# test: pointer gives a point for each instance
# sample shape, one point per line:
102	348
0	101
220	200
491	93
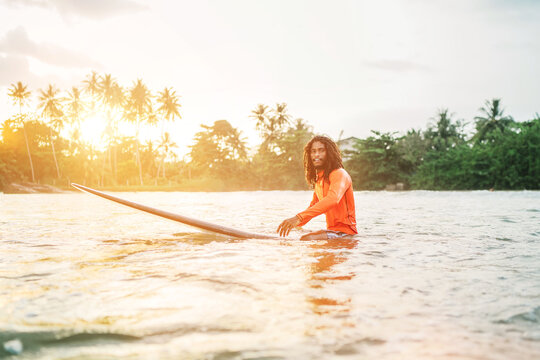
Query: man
333	195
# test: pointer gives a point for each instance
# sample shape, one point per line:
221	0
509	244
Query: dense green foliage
509	161
504	156
34	146
376	162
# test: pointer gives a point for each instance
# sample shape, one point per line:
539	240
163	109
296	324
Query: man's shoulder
339	173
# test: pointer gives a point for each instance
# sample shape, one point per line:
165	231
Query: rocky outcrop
30	188
395	187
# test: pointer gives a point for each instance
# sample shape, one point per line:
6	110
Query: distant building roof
347	144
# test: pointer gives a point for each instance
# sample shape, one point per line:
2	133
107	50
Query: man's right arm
313	202
340	181
285	227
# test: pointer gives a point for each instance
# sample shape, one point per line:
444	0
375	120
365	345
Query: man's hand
285	227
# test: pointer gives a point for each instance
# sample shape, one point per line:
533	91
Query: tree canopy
43	144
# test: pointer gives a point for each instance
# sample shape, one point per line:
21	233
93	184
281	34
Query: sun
92	130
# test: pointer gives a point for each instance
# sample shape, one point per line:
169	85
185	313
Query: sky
345	67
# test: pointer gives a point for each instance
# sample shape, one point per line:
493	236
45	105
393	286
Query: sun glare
92	130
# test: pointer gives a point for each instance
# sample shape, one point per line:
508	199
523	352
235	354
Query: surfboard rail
176	217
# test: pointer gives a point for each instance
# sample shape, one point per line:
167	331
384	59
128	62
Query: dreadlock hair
333	159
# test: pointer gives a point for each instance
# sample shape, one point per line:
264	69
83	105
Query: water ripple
432	275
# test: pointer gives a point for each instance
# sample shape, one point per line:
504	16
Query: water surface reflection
431	276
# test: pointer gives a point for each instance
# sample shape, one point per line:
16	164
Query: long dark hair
333	159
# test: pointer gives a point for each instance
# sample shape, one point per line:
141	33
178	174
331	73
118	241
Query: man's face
318	154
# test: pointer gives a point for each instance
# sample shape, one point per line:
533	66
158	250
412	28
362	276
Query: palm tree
91	87
117	100
112	97
165	145
20	95
260	115
138	110
493	120
446	133
271	123
281	117
169	108
50	104
111	94
168	105
75	107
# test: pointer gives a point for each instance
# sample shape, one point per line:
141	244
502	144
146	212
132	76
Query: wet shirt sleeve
339	183
313	202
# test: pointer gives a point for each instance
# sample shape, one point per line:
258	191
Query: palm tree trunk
163	162
158	169
28	151
139	163
139	155
54	153
109	152
110	137
115	162
103	168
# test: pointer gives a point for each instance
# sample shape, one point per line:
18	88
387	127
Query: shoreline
30	188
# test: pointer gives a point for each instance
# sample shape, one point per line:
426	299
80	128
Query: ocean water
431	275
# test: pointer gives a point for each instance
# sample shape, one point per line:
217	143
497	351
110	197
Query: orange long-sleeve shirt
335	199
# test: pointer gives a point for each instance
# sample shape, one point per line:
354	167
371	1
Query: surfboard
176	217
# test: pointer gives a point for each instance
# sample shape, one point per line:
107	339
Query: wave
14	343
530	317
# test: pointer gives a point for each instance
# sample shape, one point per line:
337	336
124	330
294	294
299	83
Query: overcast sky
340	65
